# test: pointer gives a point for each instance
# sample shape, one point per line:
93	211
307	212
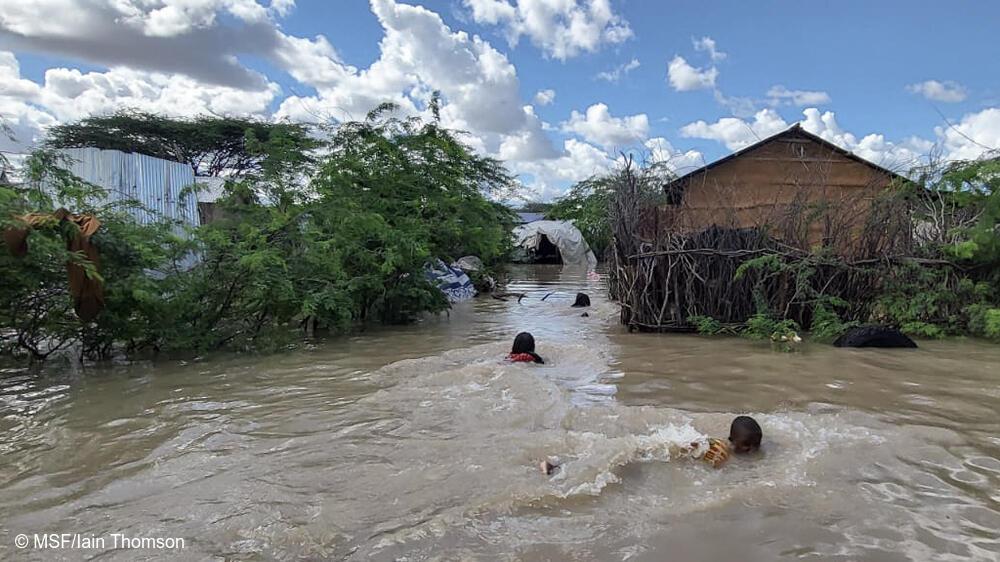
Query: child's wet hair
745	434
582	299
523	343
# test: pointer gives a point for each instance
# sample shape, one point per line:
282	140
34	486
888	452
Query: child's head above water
745	434
523	343
524	349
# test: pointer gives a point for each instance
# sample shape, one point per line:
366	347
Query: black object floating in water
874	336
582	300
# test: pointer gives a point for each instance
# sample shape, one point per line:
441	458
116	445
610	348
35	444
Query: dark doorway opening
547	252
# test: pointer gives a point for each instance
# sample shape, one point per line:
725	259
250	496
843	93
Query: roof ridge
795	128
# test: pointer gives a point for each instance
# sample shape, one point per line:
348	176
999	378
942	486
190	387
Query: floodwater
420	443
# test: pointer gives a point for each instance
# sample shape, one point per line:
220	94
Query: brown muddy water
420	443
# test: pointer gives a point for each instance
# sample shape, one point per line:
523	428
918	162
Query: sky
558	89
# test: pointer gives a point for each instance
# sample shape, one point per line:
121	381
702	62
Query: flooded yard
421	443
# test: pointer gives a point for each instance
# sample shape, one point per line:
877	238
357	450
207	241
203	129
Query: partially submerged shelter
553	242
804	189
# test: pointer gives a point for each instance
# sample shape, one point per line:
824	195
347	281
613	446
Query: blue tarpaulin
453	282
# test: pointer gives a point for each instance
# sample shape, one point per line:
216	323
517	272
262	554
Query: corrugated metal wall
155	183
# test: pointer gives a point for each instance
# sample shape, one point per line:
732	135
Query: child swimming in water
744	438
523	350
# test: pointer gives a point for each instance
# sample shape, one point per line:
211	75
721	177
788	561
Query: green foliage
922	330
322	244
931	302
984	321
967	189
389	196
826	324
587	204
706	325
211	145
535	207
765	264
35	305
762	326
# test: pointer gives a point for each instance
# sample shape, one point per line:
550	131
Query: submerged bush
826	324
762	326
706	325
388	196
319	242
36	307
984	321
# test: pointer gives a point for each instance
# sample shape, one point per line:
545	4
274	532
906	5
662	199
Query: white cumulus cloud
68	94
707	44
169	36
545	97
660	151
562	29
947	91
737	133
578	161
780	95
598	126
973	135
684	78
734	132
419	54
11	83
618	72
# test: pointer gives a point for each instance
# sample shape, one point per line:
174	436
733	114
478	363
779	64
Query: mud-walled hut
804	189
806	210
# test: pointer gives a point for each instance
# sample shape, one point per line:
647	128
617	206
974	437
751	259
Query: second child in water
744	438
523	350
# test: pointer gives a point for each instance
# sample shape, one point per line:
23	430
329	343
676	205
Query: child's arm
717	453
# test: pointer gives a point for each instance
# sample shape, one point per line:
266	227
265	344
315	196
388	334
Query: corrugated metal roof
530	217
157	184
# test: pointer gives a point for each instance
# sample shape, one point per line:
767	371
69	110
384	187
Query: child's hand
717	453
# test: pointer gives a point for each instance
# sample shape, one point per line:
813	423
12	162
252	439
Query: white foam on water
502	419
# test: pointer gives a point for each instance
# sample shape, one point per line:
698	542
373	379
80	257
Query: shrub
706	325
763	326
827	325
984	321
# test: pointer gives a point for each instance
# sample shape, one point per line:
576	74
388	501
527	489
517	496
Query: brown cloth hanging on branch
87	292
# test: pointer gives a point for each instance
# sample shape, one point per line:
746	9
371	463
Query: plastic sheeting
453	282
573	248
468	263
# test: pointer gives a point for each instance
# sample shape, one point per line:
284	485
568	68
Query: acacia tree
389	195
329	246
212	145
